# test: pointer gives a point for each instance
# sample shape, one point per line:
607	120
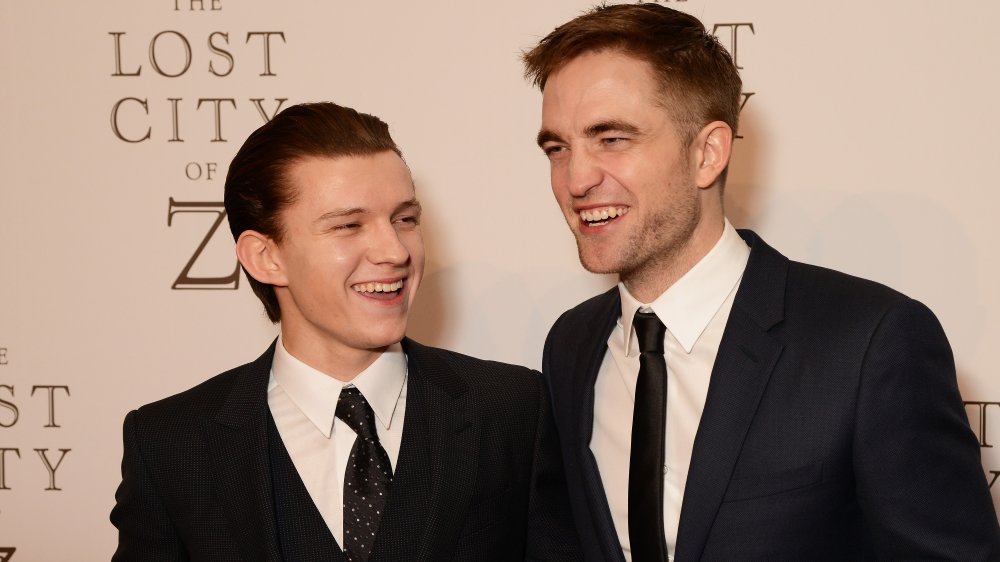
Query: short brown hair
257	188
695	72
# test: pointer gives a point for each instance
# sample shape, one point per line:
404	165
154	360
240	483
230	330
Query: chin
386	337
595	263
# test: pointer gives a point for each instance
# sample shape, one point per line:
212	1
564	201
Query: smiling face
626	183
350	259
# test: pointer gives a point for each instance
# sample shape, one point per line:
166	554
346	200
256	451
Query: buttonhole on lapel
751	355
463	417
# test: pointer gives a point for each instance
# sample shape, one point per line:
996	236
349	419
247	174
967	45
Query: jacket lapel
588	364
747	355
437	465
237	443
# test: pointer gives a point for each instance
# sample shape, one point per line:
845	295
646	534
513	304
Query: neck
330	358
658	274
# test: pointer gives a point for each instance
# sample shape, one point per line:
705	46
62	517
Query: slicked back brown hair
698	78
257	184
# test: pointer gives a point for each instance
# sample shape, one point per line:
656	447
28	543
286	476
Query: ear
711	150
260	256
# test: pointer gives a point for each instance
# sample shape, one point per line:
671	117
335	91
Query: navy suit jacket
478	475
833	427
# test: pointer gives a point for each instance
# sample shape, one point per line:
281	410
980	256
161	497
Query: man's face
619	169
352	254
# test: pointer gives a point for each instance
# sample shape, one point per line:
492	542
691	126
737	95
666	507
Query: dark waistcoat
302	532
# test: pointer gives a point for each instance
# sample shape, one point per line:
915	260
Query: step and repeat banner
867	145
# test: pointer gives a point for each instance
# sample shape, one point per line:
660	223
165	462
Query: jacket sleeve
551	535
145	531
919	477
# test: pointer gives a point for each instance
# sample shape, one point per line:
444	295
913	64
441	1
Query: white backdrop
868	147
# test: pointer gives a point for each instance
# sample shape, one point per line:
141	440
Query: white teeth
378	287
598	215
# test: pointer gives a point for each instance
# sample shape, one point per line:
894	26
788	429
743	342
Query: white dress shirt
695	310
303	402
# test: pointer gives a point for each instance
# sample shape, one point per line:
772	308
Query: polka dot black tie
368	477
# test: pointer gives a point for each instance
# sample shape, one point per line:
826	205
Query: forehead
363	181
597	86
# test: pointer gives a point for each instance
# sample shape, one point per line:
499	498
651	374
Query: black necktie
645	477
368	477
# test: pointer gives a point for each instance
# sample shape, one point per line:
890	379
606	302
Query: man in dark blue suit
723	402
344	441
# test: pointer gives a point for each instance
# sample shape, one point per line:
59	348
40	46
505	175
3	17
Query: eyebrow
351	211
410	204
341	213
545	136
612	125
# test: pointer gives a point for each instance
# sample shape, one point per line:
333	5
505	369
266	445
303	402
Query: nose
386	247
583	173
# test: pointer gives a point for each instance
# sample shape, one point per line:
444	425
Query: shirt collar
687	306
315	393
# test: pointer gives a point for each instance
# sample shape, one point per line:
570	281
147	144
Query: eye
613	140
347	227
408	220
551	150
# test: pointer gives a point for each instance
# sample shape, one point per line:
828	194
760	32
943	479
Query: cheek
414	243
336	263
557	176
645	182
339	261
628	169
559	190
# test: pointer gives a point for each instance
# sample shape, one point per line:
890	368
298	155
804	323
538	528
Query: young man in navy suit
724	403
344	440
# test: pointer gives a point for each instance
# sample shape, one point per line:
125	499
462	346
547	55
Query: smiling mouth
601	215
379	290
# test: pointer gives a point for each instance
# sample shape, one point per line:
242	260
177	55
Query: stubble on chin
644	253
591	261
653	251
657	250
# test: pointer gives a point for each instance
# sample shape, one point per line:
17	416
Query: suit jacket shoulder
470	370
236	389
195	481
498	389
816	288
814	311
576	337
582	316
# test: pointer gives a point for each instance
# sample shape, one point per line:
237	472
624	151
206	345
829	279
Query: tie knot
355	411
649	331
